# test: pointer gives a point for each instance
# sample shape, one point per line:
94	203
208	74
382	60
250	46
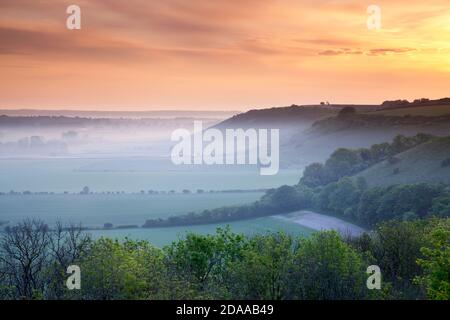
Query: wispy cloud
220	54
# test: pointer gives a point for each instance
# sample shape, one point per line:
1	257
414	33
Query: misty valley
213	159
348	175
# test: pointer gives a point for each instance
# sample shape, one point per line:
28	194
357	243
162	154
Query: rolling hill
311	133
437	110
424	163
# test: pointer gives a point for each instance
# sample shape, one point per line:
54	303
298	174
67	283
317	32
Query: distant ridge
397	104
118	114
294	115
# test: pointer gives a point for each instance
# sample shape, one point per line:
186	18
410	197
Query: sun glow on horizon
220	55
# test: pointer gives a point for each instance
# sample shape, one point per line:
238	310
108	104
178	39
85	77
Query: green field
163	236
129	175
131	208
95	210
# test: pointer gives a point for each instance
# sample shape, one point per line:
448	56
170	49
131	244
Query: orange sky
220	54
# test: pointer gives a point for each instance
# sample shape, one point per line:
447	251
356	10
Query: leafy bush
441	206
226	265
436	262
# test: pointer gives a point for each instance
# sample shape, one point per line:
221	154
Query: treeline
77	122
414	259
393	104
275	201
349	198
87	191
346	162
330	188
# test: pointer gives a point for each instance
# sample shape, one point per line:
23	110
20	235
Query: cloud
331	42
368	52
345	51
180	52
51	44
136	29
386	51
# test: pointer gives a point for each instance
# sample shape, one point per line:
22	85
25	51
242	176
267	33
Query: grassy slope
318	147
416	111
420	164
301	143
326	135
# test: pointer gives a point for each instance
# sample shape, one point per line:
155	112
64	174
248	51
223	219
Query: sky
220	54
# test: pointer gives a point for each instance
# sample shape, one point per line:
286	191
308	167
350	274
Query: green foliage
201	260
399	202
342	162
281	200
345	197
115	270
396	248
436	262
416	198
263	272
346	162
265	266
369	206
327	268
441	206
287	199
328	188
315	175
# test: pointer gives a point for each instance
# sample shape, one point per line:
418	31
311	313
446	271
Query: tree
66	246
379	151
264	269
326	268
436	262
287	199
85	190
34	258
440	206
342	162
396	248
201	260
400	144
23	257
345	197
114	270
315	175
416	198
368	206
323	199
